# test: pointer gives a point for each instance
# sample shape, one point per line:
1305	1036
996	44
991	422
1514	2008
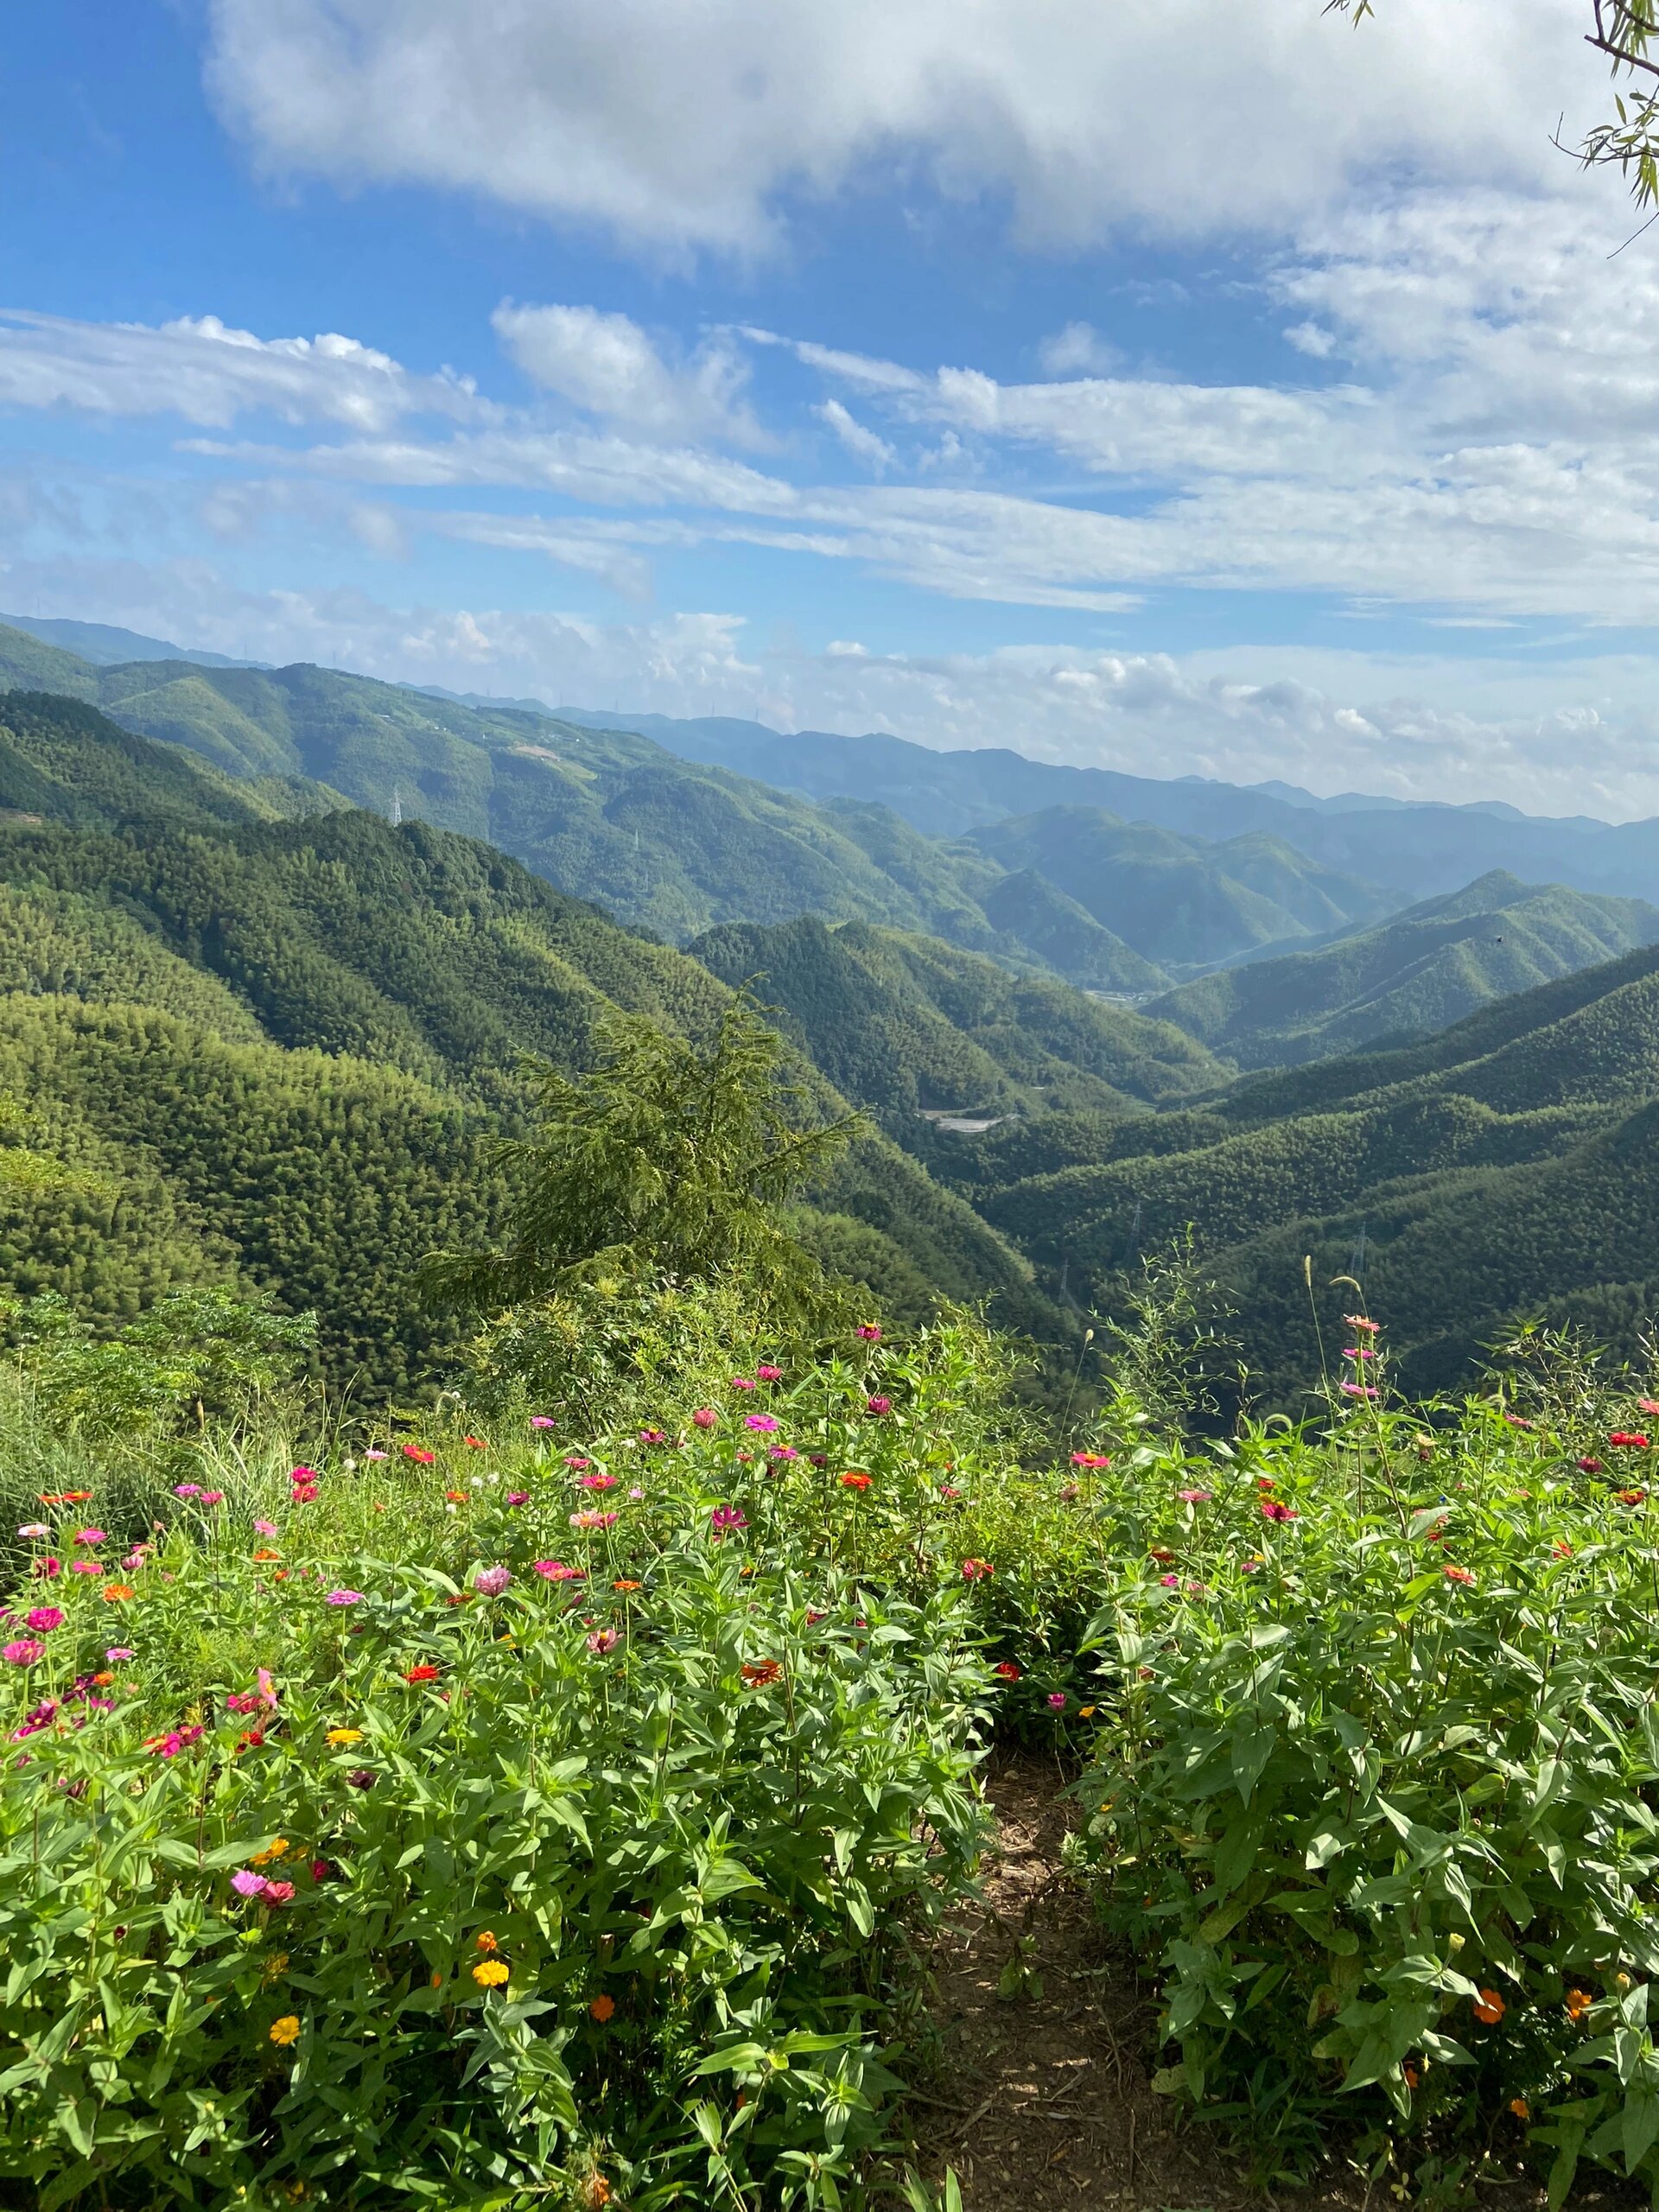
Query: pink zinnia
765	1422
1195	1496
596	1482
594	1520
603	1640
375	1455
187	1489
1272	1510
576	1459
868	1332
769	1374
49	1569
277	1893
542	1420
247	1883
213	1497
23	1651
878	1405
516	1497
555	1570
91	1536
704	1417
1357	1390
976	1570
491	1581
33	1528
84	1567
1057	1700
264	1528
725	1517
118	1652
741	1382
45	1618
344	1597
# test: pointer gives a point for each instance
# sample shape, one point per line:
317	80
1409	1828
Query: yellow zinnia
345	1735
490	1974
287	2029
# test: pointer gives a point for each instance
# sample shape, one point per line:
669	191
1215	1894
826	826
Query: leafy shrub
600	1879
1376	1779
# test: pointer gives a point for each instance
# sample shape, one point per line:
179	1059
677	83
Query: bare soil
1041	2096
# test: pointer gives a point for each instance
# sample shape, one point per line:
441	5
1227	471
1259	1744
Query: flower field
481	1813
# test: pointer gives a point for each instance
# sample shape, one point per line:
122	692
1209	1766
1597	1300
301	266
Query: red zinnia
1272	1510
422	1674
1007	1671
1629	1440
422	1459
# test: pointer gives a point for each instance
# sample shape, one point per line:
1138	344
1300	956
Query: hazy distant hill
1418	971
1412	851
1179	901
673	846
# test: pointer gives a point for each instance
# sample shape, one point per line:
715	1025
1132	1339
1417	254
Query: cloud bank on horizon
1238	396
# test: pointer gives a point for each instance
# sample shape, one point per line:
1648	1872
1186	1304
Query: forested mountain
1181	902
1411	851
280	1051
1508	1165
677	848
1418	972
904	1025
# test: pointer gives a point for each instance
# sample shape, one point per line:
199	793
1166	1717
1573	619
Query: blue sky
1240	396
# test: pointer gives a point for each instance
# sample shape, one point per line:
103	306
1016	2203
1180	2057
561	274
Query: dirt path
1041	2096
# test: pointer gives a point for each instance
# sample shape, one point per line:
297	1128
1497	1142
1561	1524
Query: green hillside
1418	972
280	1051
677	847
903	1023
1180	902
1506	1166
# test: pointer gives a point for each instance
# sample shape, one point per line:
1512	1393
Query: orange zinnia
602	2008
115	1592
627	1586
264	1552
759	1675
1579	2002
1490	2007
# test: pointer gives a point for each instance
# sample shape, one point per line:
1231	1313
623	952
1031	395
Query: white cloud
678	127
863	444
1078	350
606	365
197	368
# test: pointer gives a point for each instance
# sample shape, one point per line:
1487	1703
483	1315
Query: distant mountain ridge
1418	971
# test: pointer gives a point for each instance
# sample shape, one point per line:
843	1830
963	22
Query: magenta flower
91	1536
1195	1496
878	1405
516	1497
187	1489
603	1640
242	1702
1170	1581
491	1581
1057	1700
724	1518
344	1597
48	1569
1357	1390
653	1436
118	1652
1272	1510
1252	1565
23	1651
555	1570
576	1460
86	1567
303	1474
542	1420
247	1883
741	1382
44	1619
868	1332
595	1482
704	1417
976	1570
769	1374
783	1452
765	1423
213	1497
